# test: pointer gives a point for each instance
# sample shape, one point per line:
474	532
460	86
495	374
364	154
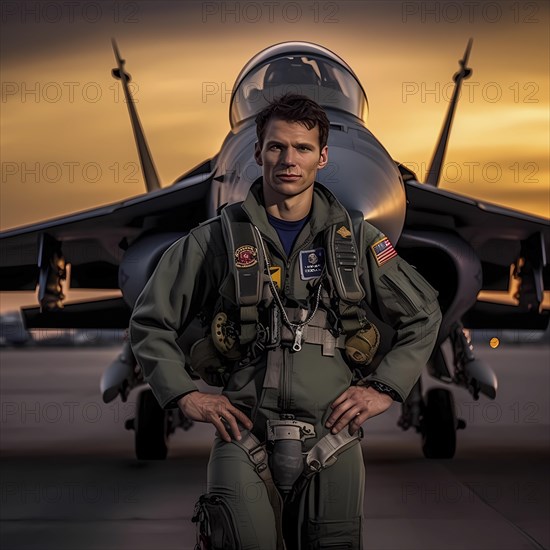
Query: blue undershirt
287	230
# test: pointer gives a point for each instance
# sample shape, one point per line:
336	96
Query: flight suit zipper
285	399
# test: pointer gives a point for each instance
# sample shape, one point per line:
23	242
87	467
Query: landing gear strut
433	416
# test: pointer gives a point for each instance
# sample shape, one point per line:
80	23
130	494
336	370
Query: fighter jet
488	263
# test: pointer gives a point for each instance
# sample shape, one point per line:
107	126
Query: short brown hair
294	108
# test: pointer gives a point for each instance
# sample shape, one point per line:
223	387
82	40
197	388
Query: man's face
290	158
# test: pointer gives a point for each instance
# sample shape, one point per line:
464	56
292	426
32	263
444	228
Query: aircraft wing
507	242
487	227
93	241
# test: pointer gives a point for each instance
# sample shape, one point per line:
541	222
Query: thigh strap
257	453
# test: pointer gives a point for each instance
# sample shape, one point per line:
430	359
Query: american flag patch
383	251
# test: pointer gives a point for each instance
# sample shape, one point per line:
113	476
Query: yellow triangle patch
275	273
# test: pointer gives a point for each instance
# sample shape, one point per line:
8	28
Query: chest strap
315	332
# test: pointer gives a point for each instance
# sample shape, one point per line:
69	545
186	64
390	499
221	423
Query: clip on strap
325	452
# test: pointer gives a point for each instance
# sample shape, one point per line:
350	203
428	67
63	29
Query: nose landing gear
434	416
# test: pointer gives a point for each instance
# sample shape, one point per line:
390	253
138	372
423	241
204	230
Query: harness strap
257	454
246	265
344	250
275	359
322	455
316	335
353	318
249	320
325	452
315	332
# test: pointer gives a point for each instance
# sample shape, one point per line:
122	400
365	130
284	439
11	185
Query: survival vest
344	245
236	333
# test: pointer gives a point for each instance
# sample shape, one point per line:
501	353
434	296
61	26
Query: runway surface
69	480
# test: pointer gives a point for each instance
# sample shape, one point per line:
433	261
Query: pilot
284	283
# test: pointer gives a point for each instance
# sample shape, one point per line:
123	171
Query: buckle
314	466
289	429
258	460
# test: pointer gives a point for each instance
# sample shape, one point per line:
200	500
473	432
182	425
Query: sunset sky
66	141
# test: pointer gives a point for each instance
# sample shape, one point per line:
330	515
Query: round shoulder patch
246	256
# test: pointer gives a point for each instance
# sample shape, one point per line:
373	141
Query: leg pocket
216	524
333	534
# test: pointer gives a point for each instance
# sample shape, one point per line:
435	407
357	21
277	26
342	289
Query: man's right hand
216	409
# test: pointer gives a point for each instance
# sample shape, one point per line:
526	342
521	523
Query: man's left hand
355	406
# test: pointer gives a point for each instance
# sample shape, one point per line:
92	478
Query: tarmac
69	479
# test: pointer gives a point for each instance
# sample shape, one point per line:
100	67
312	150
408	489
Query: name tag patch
312	263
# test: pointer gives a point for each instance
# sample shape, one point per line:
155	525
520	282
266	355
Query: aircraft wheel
151	429
439	424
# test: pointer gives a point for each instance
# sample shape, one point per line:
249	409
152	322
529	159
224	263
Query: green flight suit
191	276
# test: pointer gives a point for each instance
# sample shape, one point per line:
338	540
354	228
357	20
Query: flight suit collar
326	210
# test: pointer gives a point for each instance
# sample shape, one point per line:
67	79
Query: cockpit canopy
301	68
